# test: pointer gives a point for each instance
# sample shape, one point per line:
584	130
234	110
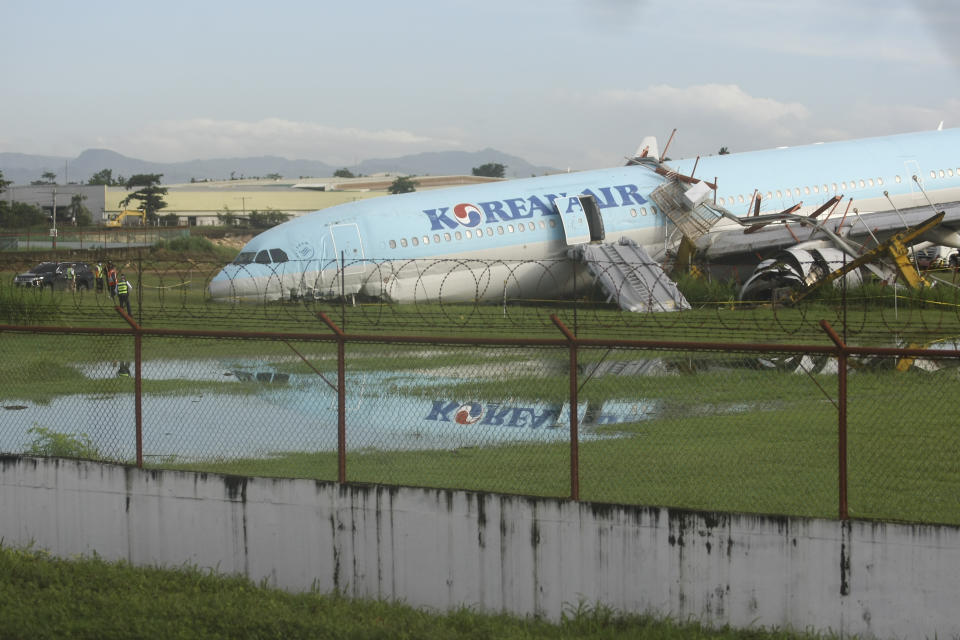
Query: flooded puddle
386	410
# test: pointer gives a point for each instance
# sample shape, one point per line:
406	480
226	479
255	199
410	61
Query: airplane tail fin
648	149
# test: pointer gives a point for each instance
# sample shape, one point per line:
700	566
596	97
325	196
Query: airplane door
347	243
580	218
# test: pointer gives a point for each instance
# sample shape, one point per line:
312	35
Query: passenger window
426	239
278	255
950	172
553	223
509	228
489	231
942	174
457	235
403	242
769	195
796	192
467	233
532	226
880	181
870	182
393	244
933	174
721	201
500	230
779	195
897	179
862	184
263	257
806	190
436	237
740	199
415	241
543	225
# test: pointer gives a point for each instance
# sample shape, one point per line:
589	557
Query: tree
150	193
104	177
4	183
343	173
490	170
227	218
47	177
273	176
20	215
80	214
724	151
403	184
266	219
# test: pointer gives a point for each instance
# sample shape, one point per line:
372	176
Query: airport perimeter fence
811	430
100	238
174	293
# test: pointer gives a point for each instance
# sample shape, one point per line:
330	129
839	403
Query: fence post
844	512
341	398
574	412
137	381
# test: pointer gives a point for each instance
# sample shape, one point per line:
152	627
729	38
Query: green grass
725	434
762	442
87	597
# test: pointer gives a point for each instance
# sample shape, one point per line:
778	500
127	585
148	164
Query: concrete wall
443	549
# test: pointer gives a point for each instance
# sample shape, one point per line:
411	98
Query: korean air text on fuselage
491	212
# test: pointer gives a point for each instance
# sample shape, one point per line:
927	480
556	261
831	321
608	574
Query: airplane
551	236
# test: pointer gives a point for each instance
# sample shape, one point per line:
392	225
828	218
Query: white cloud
198	138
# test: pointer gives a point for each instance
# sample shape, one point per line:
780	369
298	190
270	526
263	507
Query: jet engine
796	268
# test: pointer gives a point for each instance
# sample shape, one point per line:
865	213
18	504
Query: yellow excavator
127	217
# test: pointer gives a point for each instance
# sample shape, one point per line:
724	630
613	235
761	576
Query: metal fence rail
828	431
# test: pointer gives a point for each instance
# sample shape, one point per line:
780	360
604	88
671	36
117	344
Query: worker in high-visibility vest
111	279
123	293
71	278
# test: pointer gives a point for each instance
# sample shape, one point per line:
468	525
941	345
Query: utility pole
53	231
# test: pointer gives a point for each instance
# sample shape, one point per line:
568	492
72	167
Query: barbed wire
471	296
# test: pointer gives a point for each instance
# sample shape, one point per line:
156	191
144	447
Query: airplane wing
851	232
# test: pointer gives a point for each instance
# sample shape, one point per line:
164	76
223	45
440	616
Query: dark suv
54	276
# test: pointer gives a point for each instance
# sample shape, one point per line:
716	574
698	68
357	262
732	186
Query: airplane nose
234	283
221	286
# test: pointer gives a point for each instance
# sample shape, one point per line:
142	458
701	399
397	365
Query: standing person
123	293
71	277
111	279
98	274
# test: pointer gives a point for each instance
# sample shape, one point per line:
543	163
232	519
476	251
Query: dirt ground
232	241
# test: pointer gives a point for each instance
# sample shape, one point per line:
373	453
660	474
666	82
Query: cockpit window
263	257
245	257
278	255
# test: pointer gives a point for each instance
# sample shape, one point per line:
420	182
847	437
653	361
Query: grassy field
44	597
715	431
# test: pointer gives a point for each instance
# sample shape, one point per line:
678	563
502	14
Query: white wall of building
443	549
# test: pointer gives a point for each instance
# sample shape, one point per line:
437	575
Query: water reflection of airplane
786	363
516	238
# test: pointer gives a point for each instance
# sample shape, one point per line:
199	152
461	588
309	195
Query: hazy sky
567	83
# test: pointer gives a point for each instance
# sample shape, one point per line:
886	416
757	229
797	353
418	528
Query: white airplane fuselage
510	239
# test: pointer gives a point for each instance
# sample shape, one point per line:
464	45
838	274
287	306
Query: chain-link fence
822	431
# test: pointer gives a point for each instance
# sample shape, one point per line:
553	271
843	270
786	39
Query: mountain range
23	169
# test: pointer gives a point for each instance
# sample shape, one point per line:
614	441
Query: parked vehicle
53	275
